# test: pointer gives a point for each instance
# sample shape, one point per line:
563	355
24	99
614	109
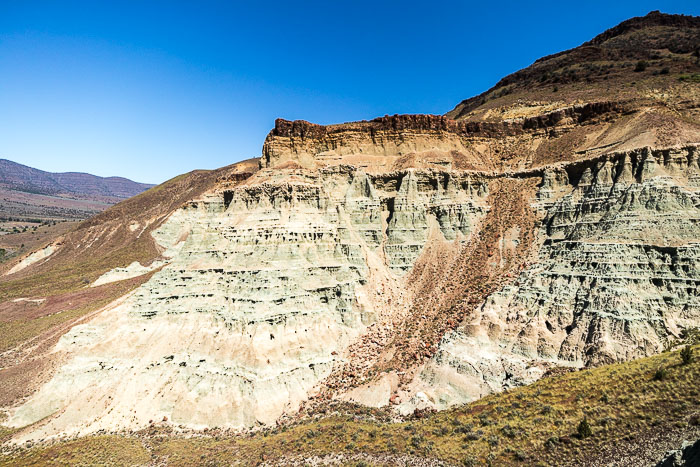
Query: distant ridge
19	177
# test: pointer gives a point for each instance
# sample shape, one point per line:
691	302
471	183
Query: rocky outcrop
688	455
616	278
296	283
268	284
34	257
385	139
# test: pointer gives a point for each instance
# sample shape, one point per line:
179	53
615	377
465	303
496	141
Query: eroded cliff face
432	140
616	277
389	262
267	285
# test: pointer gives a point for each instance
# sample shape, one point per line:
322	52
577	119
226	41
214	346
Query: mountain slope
18	177
32	202
638	59
410	263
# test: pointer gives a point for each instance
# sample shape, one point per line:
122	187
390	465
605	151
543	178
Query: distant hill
18	177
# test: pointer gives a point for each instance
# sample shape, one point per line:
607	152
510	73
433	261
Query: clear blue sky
150	89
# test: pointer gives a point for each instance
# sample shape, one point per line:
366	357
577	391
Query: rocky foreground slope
411	262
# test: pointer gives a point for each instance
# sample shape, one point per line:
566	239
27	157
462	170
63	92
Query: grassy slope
534	425
605	68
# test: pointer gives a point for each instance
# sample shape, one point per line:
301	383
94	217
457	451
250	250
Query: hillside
33	202
18	177
632	419
646	59
413	273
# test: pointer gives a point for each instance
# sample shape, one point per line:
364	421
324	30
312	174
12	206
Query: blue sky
152	89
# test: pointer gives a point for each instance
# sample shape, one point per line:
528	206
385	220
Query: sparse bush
493	440
664	70
417	440
660	374
509	432
470	461
693	78
584	429
552	442
484	420
686	355
605	421
474	435
466	428
641	66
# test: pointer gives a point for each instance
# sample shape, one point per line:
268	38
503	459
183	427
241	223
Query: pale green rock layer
265	288
617	278
268	283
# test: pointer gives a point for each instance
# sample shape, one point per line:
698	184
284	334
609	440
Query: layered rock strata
267	285
330	274
616	278
387	139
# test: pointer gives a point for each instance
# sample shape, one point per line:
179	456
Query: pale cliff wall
616	278
273	283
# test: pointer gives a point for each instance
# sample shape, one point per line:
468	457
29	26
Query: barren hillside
394	267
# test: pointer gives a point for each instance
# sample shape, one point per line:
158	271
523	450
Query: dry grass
20	327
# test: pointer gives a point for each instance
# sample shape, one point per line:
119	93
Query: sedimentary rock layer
267	285
391	137
451	284
616	278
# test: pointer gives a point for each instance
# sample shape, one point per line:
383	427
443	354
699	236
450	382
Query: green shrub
493	440
584	429
686	355
693	78
641	66
660	374
509	432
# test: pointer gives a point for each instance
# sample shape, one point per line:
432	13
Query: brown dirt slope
657	51
105	241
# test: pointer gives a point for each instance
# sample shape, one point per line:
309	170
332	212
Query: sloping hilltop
407	263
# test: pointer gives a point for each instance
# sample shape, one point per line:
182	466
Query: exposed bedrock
266	286
387	139
305	283
616	277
